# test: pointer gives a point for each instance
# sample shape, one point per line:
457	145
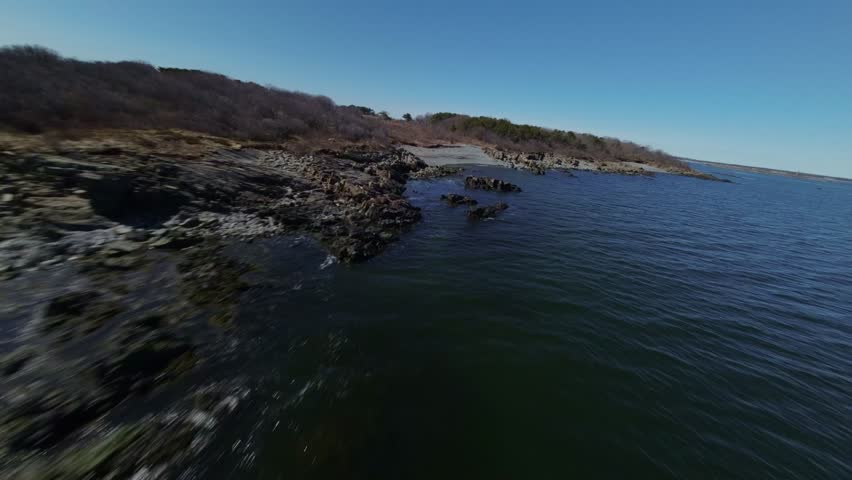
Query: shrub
40	90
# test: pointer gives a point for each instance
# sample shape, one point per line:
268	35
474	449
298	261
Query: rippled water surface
603	326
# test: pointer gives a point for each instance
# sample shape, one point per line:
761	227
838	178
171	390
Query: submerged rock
454	199
488	211
488	183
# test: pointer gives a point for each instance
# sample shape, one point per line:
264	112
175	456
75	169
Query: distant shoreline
769	171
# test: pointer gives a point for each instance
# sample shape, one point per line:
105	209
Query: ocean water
602	327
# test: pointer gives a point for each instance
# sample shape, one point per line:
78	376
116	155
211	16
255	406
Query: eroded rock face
454	199
488	183
488	211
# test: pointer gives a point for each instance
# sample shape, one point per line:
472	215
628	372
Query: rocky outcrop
489	211
436	172
537	162
352	197
454	199
140	234
488	183
540	162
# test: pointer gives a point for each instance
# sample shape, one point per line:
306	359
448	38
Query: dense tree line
40	90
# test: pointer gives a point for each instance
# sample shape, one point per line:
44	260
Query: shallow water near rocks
602	326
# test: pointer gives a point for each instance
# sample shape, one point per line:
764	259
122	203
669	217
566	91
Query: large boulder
454	199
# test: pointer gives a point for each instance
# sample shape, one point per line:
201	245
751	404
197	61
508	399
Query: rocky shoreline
540	162
116	283
111	256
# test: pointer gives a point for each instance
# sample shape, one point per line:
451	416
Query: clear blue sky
764	83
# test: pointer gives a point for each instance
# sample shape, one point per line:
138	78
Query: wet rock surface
142	354
486	212
488	183
454	199
123	238
75	314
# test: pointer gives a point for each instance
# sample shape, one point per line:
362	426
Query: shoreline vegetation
42	92
122	186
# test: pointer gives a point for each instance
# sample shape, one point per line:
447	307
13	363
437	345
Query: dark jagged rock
454	199
488	183
488	211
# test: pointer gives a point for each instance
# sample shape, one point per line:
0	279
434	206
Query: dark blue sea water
603	327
